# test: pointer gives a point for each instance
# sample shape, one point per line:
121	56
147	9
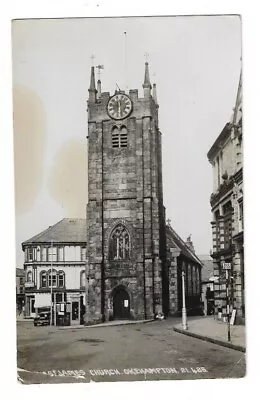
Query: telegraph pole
227	267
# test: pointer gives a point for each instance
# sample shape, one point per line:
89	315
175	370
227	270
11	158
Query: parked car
43	318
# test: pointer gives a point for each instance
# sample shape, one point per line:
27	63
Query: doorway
121	304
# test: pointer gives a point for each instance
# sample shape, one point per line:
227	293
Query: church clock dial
119	106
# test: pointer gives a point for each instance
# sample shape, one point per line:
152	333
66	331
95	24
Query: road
150	351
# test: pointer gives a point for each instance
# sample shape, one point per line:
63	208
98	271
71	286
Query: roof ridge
187	248
33	238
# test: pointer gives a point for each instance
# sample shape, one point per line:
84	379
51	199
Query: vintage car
43	318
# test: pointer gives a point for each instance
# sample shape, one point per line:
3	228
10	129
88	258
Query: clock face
119	106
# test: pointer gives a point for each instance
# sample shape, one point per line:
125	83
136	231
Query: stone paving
210	327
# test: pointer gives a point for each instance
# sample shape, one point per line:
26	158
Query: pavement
212	330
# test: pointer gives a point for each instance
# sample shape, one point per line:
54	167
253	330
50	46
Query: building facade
126	236
20	279
54	267
207	284
226	201
181	257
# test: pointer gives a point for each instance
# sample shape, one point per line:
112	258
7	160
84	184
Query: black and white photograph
128	163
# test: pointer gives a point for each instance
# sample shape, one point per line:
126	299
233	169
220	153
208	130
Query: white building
54	265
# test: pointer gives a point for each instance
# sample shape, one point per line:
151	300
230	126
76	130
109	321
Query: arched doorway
121	304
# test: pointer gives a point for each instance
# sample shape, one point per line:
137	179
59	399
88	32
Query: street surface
150	351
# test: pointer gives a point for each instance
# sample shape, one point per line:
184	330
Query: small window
44	254
52	253
43	279
82	279
30	254
29	276
83	253
61	253
61	279
52	279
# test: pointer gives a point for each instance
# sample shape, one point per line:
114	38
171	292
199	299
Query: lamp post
51	319
184	311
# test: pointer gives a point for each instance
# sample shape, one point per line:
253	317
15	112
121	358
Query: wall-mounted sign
226	265
125	303
233	317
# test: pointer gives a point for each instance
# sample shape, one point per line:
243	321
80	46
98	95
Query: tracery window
119	244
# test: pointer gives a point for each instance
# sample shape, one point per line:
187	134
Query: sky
195	62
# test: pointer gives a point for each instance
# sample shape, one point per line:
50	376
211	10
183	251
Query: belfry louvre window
119	243
119	137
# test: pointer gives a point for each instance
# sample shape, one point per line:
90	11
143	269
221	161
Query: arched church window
194	280
119	243
115	137
119	137
189	280
123	137
198	280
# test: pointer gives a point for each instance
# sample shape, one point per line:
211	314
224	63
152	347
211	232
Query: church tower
126	251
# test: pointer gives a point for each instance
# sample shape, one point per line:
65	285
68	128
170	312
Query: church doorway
121	304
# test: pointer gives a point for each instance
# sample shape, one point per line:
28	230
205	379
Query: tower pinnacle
92	88
147	84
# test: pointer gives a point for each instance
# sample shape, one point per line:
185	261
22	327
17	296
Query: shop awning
42	300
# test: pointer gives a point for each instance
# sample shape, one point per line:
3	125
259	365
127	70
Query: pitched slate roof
68	230
170	232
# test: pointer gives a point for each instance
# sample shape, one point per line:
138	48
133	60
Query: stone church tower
126	239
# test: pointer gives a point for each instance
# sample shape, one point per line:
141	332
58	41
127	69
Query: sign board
125	303
226	265
233	317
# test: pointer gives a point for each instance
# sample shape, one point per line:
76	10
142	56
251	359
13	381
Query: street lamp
51	319
184	311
